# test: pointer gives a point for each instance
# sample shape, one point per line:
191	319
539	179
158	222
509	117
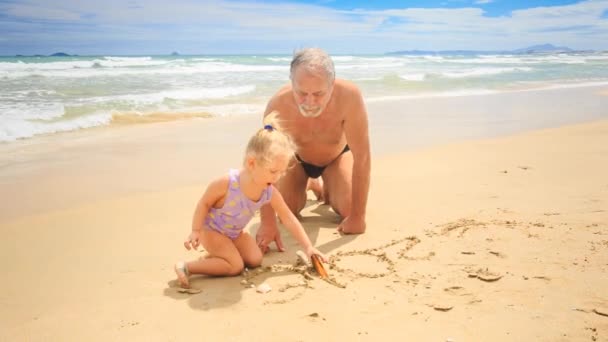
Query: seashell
487	275
303	258
189	290
442	307
263	288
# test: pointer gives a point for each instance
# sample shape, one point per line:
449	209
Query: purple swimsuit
237	211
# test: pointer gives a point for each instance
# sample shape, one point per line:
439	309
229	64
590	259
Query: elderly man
327	119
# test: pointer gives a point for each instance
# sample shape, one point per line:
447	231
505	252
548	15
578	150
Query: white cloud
214	22
40	11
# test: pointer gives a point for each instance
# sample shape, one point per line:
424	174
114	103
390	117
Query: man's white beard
310	112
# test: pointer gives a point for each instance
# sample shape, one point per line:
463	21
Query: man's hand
267	234
352	225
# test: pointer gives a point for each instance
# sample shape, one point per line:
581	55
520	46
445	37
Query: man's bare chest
317	131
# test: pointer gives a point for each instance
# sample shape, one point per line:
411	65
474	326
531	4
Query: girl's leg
224	258
249	250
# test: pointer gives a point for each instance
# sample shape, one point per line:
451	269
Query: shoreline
112	162
128	119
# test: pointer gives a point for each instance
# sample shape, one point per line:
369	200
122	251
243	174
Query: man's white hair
315	60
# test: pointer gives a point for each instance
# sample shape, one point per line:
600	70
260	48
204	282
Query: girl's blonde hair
270	141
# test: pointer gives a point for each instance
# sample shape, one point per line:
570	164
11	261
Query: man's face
311	91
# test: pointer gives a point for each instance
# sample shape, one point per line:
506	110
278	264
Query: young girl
230	202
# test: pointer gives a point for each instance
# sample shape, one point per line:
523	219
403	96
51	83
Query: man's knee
341	204
297	204
339	194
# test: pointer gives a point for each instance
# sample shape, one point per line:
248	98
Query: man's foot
181	270
316	187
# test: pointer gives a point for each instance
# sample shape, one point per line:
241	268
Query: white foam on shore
24	119
14	129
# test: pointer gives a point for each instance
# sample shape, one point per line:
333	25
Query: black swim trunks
314	171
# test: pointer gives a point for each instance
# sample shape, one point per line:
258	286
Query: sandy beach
487	220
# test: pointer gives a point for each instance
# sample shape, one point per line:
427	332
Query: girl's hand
193	241
311	250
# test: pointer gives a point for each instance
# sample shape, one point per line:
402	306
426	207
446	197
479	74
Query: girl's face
268	173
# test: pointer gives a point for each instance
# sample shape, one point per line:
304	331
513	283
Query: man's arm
357	135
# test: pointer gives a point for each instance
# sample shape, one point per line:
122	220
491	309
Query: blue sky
143	27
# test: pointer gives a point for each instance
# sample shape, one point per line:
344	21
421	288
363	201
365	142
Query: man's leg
337	184
316	187
293	187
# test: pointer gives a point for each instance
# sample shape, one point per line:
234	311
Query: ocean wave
480	72
413	77
524	59
30	110
279	59
366	66
193	94
101	68
46	95
13	129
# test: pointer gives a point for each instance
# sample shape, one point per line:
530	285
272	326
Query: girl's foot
181	270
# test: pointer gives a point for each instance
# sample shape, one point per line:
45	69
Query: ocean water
41	95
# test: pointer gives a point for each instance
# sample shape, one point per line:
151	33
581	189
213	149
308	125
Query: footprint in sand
456	291
460	291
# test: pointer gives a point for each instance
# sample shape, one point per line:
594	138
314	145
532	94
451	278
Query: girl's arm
214	193
292	224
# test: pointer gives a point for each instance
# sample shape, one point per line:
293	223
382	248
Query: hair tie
268	128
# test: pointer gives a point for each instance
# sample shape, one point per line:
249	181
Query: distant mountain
56	54
535	49
441	52
60	54
544	48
